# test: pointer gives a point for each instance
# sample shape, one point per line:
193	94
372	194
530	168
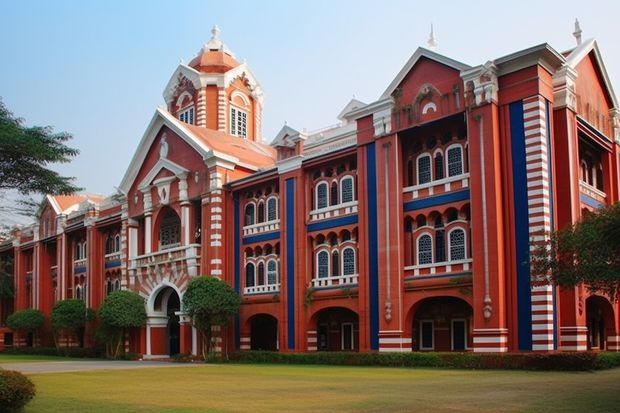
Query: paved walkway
86	365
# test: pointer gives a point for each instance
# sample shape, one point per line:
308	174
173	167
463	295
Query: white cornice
542	54
372	108
161	164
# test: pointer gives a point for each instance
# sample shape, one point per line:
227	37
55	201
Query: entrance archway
442	324
337	330
599	320
168	303
264	332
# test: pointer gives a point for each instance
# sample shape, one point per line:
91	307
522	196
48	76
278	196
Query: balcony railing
341	280
334	211
188	253
262	289
440	186
439	268
261	227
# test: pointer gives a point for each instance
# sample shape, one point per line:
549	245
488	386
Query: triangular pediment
164	169
283	138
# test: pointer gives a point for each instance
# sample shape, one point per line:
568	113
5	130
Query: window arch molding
322	263
250	213
349	262
423	168
347	189
424	249
454	163
321	194
272	208
457	244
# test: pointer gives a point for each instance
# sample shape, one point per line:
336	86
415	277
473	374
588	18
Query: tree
209	302
25	156
121	312
27	321
586	252
68	316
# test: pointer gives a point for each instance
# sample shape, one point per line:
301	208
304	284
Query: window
170	230
238	122
457	244
438	166
261	212
272	272
249	214
272	209
427	341
187	116
117	243
440	243
322	261
455	161
346	189
261	274
249	275
348	261
321	195
335	264
424	169
425	250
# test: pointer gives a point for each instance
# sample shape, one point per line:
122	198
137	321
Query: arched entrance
600	322
337	330
442	324
264	332
168	303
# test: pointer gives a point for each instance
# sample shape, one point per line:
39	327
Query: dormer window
187	115
238	122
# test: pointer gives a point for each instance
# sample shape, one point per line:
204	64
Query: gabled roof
417	55
65	204
352	105
281	137
207	143
575	56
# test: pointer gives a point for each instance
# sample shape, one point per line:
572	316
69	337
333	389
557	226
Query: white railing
340	280
261	227
262	289
333	211
188	253
429	187
79	263
440	267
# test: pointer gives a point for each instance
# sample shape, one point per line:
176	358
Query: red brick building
406	227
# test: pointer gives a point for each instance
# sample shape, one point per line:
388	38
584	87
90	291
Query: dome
214	56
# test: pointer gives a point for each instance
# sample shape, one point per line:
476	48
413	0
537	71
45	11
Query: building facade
406	227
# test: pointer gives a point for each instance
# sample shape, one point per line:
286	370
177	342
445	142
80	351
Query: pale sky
97	69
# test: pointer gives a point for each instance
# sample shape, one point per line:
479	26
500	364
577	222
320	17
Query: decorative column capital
564	95
481	85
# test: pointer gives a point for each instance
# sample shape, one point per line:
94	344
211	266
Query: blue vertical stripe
290	260
236	266
521	225
373	250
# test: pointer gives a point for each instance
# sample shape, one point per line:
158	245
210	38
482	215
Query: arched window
261	274
117	243
321	195
78	292
250	215
424	169
440	243
455	161
272	272
438	166
425	250
346	189
109	244
348	261
333	194
272	209
261	212
78	251
322	264
249	275
410	173
238	122
457	244
170	230
335	264
117	285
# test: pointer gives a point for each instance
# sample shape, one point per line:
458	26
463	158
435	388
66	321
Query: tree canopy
119	313
27	320
586	252
25	156
210	302
68	315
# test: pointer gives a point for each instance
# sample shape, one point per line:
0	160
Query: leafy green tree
68	316
121	312
26	152
586	252
209	302
26	321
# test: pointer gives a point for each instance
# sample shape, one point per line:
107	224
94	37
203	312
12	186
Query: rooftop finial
577	32
432	40
215	31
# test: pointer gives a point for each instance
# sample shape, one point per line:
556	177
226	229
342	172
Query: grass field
286	388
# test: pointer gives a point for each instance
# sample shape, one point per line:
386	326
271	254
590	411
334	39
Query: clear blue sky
97	69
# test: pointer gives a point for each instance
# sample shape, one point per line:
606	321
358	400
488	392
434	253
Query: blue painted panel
332	223
79	270
269	236
588	200
521	221
373	250
290	261
112	264
446	198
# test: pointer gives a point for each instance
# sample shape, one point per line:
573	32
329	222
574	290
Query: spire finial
577	32
432	40
215	31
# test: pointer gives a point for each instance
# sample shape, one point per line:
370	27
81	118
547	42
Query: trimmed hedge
15	391
564	361
74	352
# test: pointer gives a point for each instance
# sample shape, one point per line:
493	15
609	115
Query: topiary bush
15	391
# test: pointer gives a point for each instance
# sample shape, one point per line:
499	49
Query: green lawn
286	388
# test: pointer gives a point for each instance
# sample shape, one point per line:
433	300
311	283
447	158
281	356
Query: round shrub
15	391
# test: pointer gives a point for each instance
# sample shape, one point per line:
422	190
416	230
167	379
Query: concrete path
86	365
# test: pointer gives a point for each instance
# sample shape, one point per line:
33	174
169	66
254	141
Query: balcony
262	289
79	266
592	196
438	268
261	227
339	281
188	255
112	260
334	211
440	186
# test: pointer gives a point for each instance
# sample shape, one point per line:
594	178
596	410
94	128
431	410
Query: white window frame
450	246
236	128
188	115
447	160
318	267
343	264
342	180
316	194
272	200
417	243
246	215
272	272
430	168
